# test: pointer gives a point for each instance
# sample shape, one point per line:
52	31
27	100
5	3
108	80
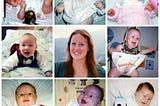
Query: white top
77	11
13	61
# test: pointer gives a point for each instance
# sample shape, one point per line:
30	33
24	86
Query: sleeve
151	14
10	63
114	18
101	12
44	64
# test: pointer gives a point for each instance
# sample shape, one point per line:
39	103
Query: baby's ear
36	46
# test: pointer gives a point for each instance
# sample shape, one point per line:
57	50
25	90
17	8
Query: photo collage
79	52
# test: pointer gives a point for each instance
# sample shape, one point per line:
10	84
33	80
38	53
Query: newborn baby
132	14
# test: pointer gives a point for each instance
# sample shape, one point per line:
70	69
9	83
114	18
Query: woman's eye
81	44
73	43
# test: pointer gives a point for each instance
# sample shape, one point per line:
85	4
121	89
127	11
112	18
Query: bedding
9	87
44	40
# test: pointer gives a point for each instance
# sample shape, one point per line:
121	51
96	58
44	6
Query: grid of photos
79	53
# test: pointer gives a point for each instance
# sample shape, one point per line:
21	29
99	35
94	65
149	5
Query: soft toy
30	18
155	4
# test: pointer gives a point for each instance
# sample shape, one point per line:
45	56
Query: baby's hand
23	4
59	8
99	4
151	50
111	12
149	7
48	74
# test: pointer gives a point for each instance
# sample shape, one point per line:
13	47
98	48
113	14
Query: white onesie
76	11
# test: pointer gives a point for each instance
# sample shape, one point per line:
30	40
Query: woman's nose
77	47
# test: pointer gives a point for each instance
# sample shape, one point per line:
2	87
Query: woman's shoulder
101	71
60	69
60	64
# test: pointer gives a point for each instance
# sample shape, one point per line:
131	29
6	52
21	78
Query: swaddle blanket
127	63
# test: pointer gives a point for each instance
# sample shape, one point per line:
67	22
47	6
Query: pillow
42	87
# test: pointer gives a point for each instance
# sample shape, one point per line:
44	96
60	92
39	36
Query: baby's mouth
134	43
83	101
25	100
27	52
143	103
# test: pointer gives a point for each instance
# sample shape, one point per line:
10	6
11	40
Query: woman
81	60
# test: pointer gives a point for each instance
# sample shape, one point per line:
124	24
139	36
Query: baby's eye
91	96
21	94
23	44
30	45
83	93
29	93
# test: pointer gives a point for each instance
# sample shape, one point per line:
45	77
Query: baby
80	11
40	7
92	95
129	46
25	54
143	95
131	14
26	94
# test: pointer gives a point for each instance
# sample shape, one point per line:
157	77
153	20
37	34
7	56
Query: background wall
149	38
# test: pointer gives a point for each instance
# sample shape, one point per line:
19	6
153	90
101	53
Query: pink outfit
132	15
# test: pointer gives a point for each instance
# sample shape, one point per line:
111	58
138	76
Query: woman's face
78	47
144	96
133	38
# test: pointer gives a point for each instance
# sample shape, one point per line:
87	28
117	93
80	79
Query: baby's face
89	97
144	97
133	38
26	96
14	3
28	45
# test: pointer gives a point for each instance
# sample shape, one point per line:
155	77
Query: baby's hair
101	92
145	84
30	35
25	83
131	28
